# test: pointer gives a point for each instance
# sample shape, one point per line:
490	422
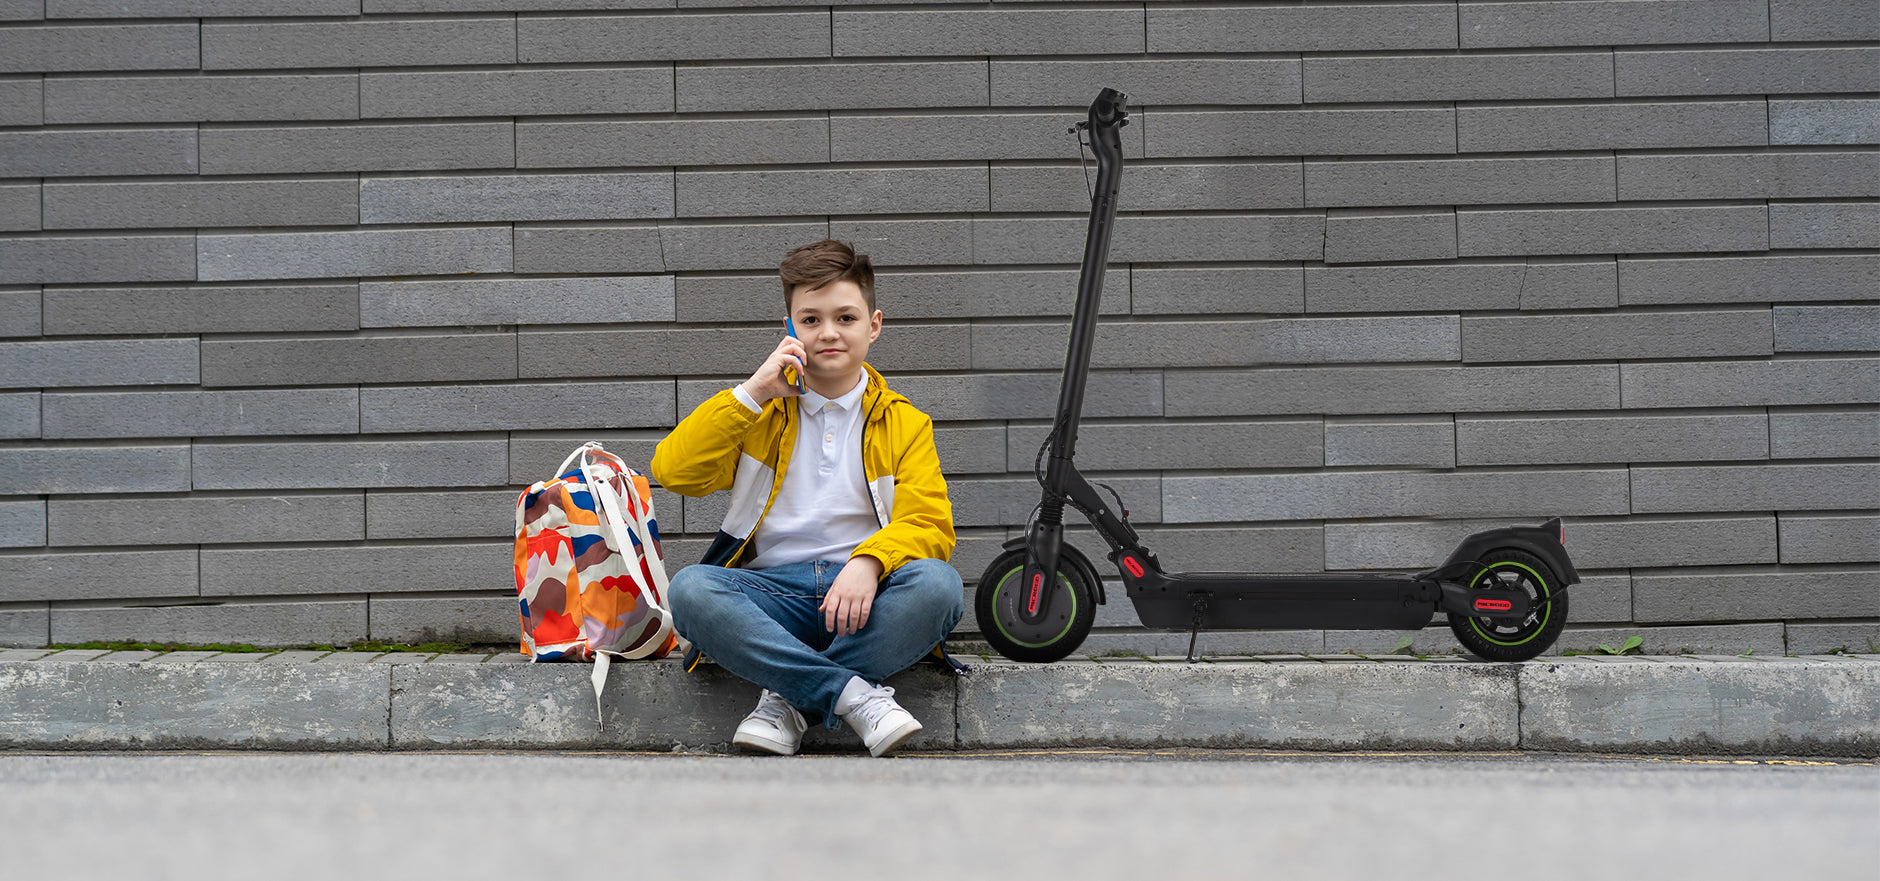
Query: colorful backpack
589	572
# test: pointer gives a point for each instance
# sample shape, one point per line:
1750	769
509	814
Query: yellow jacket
723	445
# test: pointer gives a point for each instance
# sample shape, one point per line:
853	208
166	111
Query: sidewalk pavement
1825	705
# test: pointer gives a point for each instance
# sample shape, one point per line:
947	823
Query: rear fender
1542	541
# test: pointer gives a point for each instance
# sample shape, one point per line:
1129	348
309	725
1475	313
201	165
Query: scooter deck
1239	601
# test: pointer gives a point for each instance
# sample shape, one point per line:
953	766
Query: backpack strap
598	676
623	532
581	452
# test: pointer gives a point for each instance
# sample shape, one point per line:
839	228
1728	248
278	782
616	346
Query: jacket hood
878	399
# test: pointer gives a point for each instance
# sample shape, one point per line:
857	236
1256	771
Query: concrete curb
104	705
1307	705
653	705
1799	708
1816	706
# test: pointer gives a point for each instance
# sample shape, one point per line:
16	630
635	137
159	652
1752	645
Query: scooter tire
1496	641
1069	611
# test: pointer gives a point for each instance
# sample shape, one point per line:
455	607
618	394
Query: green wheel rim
999	591
1547	612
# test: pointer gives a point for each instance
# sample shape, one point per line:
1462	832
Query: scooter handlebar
1110	108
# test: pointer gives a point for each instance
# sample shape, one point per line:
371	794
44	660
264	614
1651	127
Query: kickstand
1194	632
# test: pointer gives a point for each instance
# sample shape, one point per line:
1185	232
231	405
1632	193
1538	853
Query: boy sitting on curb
830	573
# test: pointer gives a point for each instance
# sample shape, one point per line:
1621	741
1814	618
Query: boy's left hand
845	607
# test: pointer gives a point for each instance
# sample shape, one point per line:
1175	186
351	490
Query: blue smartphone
790	328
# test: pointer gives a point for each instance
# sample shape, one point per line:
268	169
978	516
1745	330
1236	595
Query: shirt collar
848	401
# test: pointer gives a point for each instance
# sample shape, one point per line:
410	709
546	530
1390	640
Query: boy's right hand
768	382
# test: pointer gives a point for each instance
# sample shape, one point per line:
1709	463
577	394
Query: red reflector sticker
1134	567
1036	593
1488	605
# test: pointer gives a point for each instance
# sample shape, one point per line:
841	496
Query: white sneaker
871	712
774	727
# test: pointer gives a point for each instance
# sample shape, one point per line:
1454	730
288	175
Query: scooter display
1504	590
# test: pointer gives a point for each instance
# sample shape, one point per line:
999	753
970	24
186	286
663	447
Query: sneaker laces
771	707
874	703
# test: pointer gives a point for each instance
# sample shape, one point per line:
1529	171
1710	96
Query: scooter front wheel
1070	609
1494	640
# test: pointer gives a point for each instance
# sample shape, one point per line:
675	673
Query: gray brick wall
296	294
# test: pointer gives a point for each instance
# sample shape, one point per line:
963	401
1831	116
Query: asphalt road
1036	815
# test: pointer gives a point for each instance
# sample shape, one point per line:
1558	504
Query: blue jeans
764	626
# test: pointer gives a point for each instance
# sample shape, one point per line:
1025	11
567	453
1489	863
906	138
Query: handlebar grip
1110	107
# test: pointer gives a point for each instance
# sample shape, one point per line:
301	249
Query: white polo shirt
822	512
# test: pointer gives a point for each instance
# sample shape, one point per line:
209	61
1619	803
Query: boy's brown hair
819	263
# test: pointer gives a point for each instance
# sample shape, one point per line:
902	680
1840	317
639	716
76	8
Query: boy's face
835	327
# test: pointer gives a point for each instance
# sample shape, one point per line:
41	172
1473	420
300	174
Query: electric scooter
1504	590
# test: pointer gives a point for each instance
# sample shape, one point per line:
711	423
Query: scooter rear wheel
1515	641
1070	609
